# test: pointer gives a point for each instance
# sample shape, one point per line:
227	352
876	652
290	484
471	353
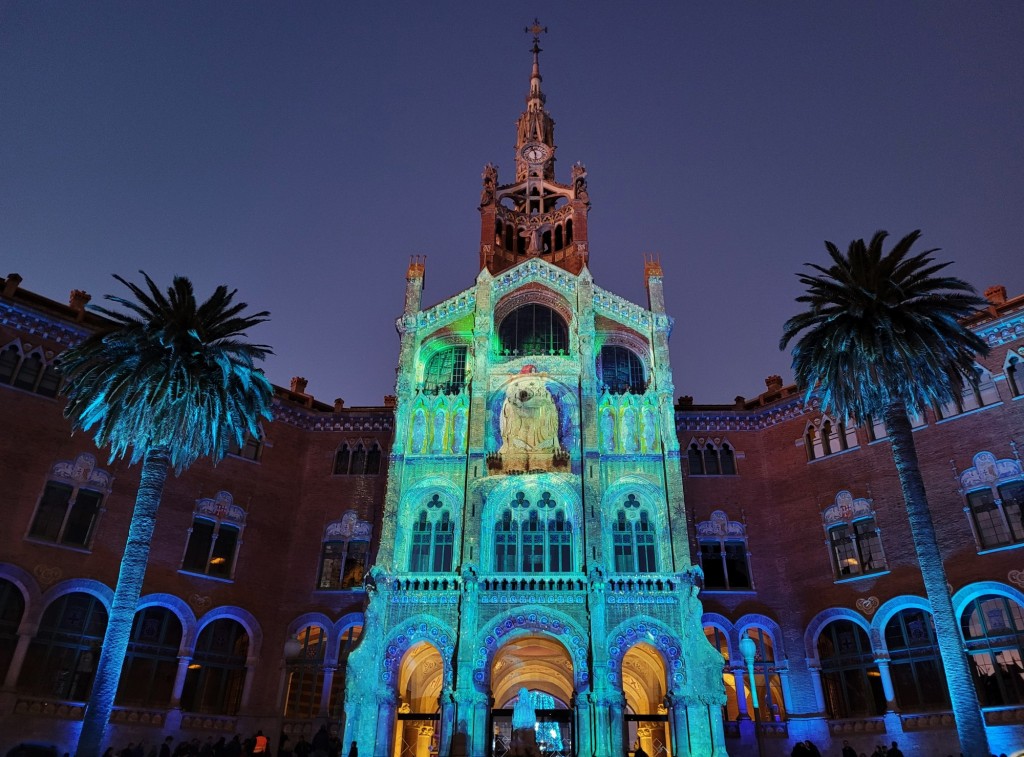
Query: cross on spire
536	30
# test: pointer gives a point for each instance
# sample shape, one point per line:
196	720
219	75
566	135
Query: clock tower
535	216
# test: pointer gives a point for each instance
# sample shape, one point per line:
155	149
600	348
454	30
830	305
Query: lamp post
748	648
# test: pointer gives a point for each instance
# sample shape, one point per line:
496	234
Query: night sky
302	151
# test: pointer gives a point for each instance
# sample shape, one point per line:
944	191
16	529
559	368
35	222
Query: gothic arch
527	620
652	498
180	609
644	628
29	592
85	585
414	630
244	618
891	607
535	294
980	588
414	498
825	617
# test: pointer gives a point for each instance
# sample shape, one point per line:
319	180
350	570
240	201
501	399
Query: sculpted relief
529	426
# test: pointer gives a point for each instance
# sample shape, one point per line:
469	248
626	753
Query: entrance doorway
543	668
646	717
420	677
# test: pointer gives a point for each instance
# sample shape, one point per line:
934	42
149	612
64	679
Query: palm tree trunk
970	723
126	598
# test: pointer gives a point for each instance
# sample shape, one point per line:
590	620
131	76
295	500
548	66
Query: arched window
728	458
533	329
66	515
357	459
723	553
213	540
766	676
720	641
710	457
828	438
621	370
533	537
31	373
1014	370
993	628
695	460
28	374
855	543
633	538
10	356
216	675
433	539
978	392
12	608
711	463
61	660
306	675
344	554
915	665
850	678
151	663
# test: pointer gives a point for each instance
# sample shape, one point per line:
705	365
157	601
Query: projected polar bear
529	425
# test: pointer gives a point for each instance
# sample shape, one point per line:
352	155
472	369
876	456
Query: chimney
390	400
996	294
740	401
77	302
11	284
299	385
774	383
686	401
339	403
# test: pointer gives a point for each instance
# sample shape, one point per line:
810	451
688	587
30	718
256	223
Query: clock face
535	153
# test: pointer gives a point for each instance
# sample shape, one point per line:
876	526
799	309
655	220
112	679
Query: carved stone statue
490	177
529	425
524	722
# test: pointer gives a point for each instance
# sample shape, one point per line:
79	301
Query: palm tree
166	382
884	337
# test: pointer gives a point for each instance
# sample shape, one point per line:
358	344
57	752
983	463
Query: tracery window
61	660
357	460
12	608
533	329
621	370
994	490
766	676
344	553
305	674
993	628
151	662
825	437
1014	370
533	537
213	540
32	372
854	539
723	555
915	665
633	538
216	675
71	503
850	677
433	539
977	393
446	371
708	458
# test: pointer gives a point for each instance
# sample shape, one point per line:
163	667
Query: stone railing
1004	715
641	584
856	725
542	584
209	722
774	730
138	716
49	708
427	583
927	720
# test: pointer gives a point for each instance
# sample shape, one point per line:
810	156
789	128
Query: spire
535	126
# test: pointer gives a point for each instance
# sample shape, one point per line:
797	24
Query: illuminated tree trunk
126	599
970	723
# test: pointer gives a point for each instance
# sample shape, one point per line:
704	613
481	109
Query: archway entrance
420	678
543	668
646	717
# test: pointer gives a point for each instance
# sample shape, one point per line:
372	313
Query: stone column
386	716
423	736
584	745
179	681
616	743
250	674
601	729
18	659
887	687
481	734
325	691
819	693
447	722
679	726
787	692
741	695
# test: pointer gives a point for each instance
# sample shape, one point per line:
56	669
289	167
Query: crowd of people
323	745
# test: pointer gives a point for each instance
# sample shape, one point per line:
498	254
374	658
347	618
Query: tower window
533	330
446	371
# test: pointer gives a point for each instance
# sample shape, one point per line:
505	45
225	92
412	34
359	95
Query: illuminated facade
514	519
534	532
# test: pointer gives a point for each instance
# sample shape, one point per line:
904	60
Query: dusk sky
302	151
